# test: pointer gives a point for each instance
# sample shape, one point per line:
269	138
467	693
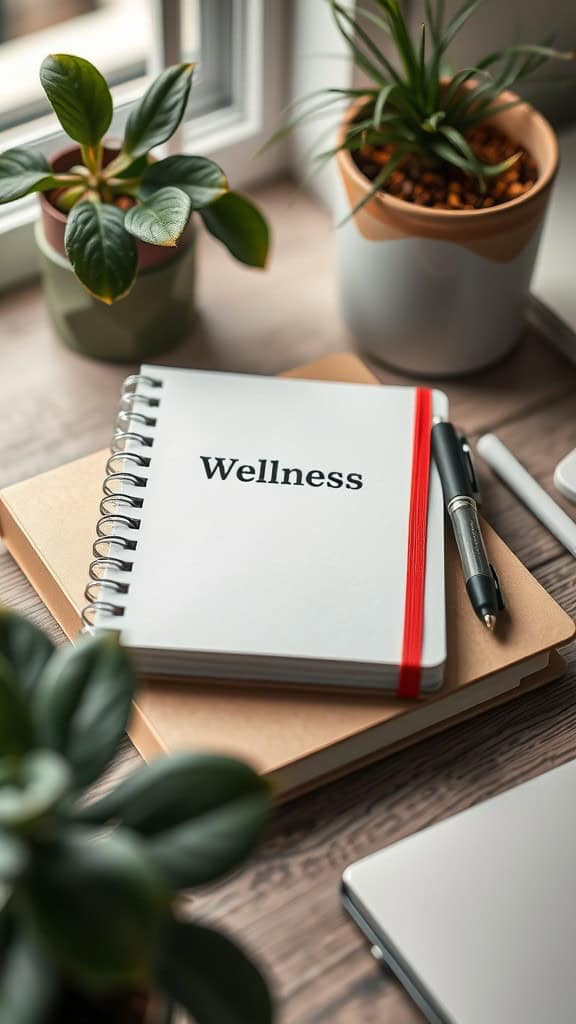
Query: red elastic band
410	665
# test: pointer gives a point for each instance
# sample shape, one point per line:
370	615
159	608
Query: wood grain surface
285	905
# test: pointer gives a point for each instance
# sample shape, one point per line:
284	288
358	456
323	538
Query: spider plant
412	103
161	195
89	890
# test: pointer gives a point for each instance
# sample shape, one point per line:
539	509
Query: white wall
320	61
499	23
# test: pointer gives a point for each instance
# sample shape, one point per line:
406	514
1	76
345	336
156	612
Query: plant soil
420	181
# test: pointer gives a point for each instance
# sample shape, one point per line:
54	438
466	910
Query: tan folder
298	739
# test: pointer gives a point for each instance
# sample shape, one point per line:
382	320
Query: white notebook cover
295	581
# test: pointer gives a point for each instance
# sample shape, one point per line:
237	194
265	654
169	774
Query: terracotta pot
54	221
155	315
440	293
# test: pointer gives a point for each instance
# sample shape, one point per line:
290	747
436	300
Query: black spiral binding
120	512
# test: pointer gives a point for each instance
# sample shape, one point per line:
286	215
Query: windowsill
248	319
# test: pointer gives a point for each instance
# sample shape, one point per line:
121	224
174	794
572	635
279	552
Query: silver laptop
476	916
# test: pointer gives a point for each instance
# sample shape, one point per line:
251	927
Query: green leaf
211	978
28	985
25	646
462	146
378	182
23	171
201	179
383	97
82	704
240	226
449	155
14	857
457	23
202	814
171	790
157	116
16	729
79	95
493	170
161	219
207	848
102	253
348	27
98	906
32	788
135	169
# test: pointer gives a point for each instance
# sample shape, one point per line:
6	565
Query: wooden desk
285	905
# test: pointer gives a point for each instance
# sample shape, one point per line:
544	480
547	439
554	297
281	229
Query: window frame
230	116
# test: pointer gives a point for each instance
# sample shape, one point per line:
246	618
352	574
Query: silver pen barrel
464	519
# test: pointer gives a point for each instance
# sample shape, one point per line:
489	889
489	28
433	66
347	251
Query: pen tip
489	621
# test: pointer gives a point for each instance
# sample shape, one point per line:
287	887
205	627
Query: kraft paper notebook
258	528
297	739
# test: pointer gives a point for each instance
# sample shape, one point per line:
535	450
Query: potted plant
116	238
443	186
90	930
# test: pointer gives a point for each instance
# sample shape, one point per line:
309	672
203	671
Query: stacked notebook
257	528
297	738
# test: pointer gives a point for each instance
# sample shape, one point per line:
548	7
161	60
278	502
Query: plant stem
69	179
92	157
123	183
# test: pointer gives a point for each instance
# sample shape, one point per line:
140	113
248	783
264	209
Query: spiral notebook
259	528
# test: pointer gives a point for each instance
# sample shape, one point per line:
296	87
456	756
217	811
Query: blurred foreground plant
87	891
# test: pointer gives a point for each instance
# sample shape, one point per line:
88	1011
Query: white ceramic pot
439	293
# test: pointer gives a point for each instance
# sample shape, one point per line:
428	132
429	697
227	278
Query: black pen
452	457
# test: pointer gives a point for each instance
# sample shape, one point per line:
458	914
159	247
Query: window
239	83
114	34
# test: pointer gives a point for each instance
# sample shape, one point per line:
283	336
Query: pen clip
469	467
499	595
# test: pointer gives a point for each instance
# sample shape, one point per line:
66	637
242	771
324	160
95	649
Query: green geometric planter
153	318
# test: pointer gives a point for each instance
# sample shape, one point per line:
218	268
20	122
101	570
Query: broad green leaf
201	179
202	814
211	978
28	984
23	171
240	226
82	704
207	848
16	729
161	219
14	856
79	95
159	112
171	790
98	906
25	646
102	253
32	788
